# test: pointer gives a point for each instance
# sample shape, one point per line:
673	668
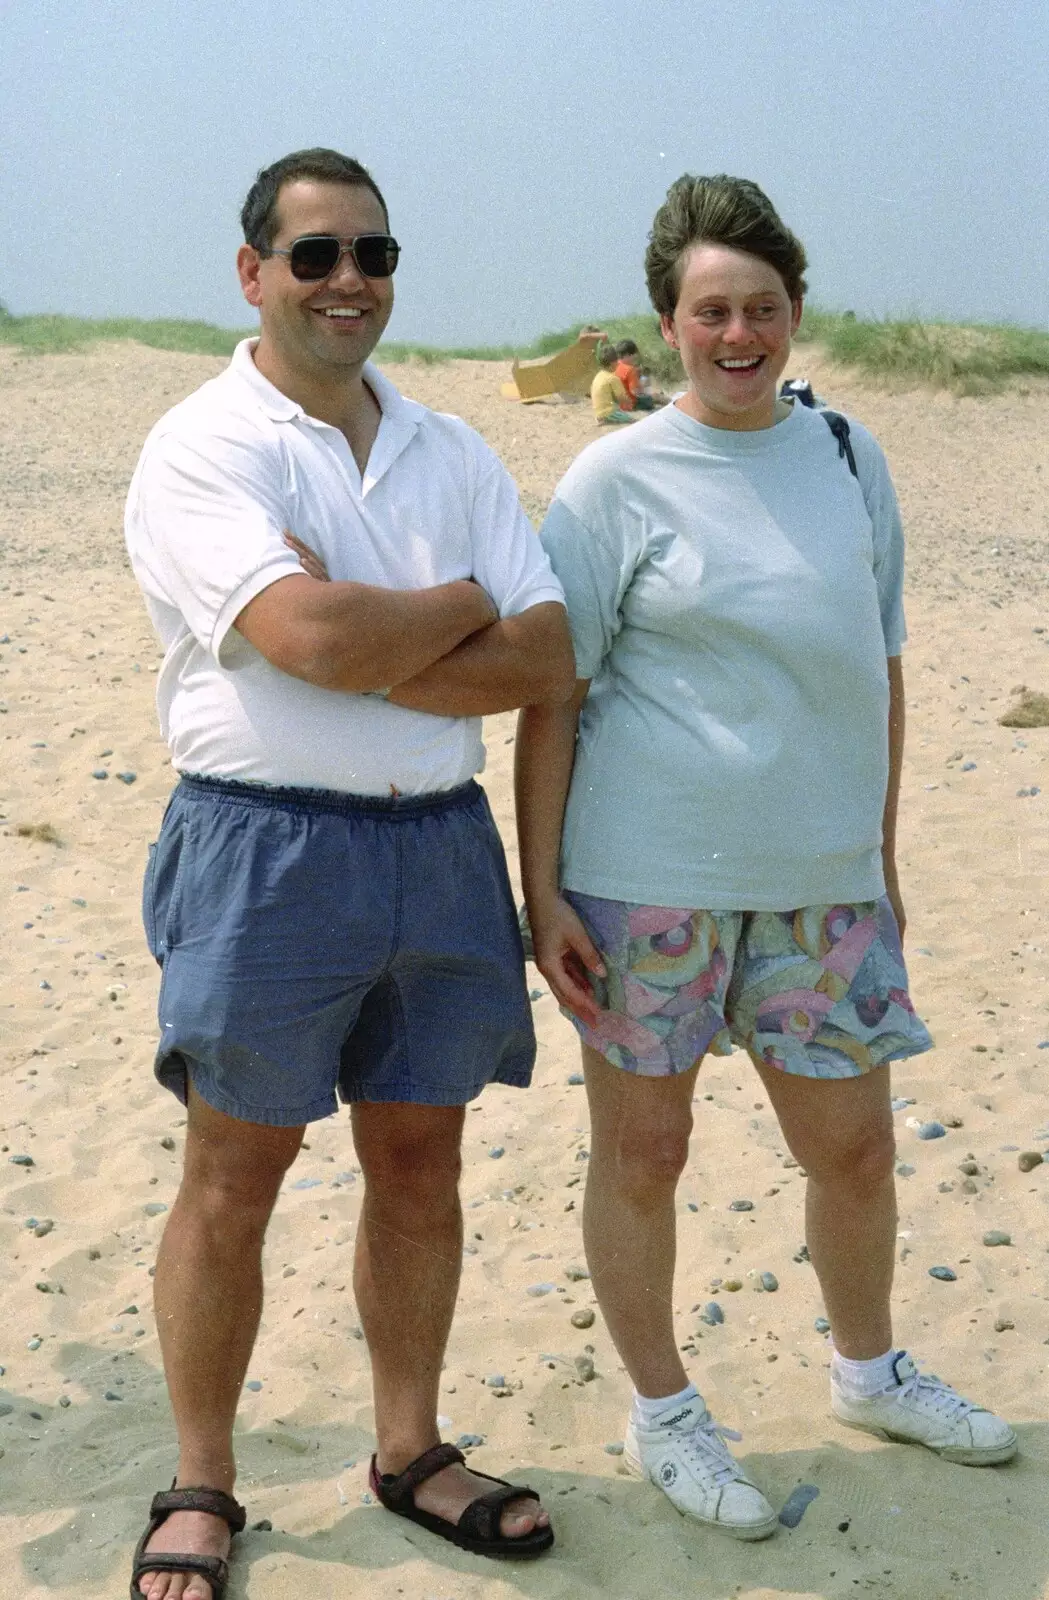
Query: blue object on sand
797	1503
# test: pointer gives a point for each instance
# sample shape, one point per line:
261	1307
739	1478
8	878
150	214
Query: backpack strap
801	392
839	427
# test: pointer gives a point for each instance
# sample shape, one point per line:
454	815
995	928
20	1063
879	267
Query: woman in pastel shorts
708	833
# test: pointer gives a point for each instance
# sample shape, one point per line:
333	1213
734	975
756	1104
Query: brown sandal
213	1568
478	1527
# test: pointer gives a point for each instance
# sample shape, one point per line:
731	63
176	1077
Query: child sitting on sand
634	379
608	393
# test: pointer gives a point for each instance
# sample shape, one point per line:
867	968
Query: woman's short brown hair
720	210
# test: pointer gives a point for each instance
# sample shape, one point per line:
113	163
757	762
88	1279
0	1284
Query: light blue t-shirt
733	597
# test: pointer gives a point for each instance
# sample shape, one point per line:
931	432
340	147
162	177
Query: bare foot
196	1533
448	1493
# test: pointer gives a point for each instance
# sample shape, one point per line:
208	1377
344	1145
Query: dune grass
47	334
966	358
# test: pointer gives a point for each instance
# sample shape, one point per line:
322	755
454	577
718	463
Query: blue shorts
314	943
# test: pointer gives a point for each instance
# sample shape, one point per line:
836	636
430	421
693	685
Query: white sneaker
684	1454
924	1410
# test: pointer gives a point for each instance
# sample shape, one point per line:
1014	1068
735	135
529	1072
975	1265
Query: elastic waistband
327	802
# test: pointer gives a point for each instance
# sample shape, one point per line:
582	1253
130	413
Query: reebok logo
679	1416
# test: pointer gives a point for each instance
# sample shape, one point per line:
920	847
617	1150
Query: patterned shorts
820	992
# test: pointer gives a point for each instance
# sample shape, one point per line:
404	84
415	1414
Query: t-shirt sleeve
595	576
209	522
884	510
508	560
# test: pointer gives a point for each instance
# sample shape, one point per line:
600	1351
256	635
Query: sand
77	665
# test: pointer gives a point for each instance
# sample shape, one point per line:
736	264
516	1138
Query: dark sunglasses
316	255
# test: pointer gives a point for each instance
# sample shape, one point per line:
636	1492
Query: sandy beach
91	1147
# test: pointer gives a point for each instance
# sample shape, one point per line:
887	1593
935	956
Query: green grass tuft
967	358
47	334
429	354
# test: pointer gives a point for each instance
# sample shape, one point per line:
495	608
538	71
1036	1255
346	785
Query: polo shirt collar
402	413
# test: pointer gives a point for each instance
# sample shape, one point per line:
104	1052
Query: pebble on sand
576	1274
769	1282
821	1325
797	1503
1027	1160
996	1236
741	1205
945	1274
712	1314
583	1318
21	1161
155	1208
613	1449
932	1130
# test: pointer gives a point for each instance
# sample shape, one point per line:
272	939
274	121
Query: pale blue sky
523	147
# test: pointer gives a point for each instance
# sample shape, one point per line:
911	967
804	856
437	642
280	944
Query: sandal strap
398	1489
211	1567
212	1501
482	1516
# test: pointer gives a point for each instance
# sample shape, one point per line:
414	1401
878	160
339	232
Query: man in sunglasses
328	898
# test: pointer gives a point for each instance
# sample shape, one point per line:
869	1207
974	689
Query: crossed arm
444	649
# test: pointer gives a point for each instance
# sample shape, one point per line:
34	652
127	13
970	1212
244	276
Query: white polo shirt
220	478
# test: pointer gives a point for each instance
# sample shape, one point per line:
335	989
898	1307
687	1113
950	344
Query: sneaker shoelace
705	1445
931	1393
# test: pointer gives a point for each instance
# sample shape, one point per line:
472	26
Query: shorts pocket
149	915
162	888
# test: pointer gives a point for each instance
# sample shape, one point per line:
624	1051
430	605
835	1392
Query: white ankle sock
863	1379
646	1411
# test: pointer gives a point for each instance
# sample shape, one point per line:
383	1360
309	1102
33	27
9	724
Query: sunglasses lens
376	254
314	258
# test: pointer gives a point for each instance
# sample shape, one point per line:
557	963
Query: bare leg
406	1278
208	1299
841	1133
639	1133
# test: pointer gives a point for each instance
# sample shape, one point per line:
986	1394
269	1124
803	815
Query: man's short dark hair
258	215
627	347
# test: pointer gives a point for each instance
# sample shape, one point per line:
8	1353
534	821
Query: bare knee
650	1156
414	1160
235	1169
859	1164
